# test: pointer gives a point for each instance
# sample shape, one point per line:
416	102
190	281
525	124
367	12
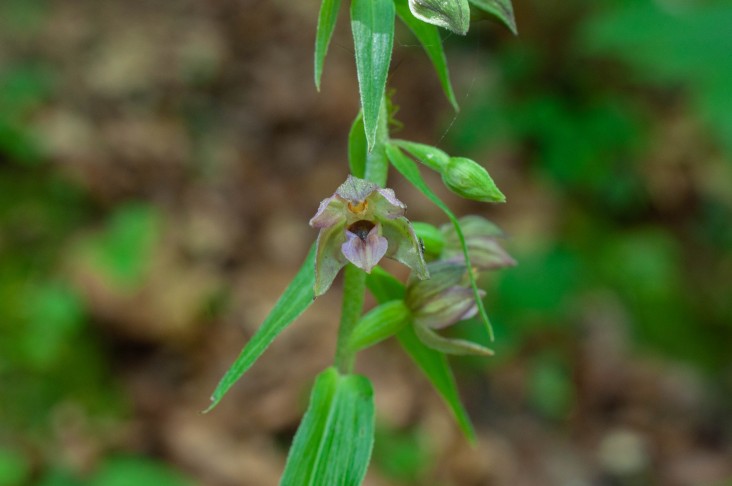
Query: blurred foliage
583	115
401	454
120	471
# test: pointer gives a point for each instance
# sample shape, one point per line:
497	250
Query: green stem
377	165
354	279
354	285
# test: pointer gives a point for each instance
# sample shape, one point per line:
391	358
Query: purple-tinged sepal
404	246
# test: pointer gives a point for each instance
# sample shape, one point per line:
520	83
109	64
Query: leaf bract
296	298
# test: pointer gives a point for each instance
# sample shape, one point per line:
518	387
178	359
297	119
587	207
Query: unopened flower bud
468	179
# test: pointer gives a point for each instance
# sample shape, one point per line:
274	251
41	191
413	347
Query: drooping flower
362	223
482	239
443	300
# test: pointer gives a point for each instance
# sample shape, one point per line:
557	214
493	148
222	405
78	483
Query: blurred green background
158	165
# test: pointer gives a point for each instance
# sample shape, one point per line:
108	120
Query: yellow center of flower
359	208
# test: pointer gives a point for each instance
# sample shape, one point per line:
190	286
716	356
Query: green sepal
372	23
501	9
295	299
326	24
429	37
378	324
410	171
334	441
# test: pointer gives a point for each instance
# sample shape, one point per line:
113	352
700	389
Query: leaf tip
211	406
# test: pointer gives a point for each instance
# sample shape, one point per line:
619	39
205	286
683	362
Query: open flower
361	223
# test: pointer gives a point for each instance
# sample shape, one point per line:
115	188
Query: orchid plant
362	223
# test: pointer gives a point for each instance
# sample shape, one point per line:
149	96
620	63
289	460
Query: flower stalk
354	279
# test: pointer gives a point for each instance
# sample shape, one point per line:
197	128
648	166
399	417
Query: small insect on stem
361	228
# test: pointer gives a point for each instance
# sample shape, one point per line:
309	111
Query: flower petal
328	258
330	212
366	253
404	245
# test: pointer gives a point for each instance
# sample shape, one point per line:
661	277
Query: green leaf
326	24
435	366
502	9
429	37
334	441
432	363
357	148
372	22
409	170
453	15
297	297
378	324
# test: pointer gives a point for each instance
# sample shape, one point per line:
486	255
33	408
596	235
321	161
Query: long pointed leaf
410	171
372	22
432	363
502	9
326	24
334	441
429	36
435	366
297	297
